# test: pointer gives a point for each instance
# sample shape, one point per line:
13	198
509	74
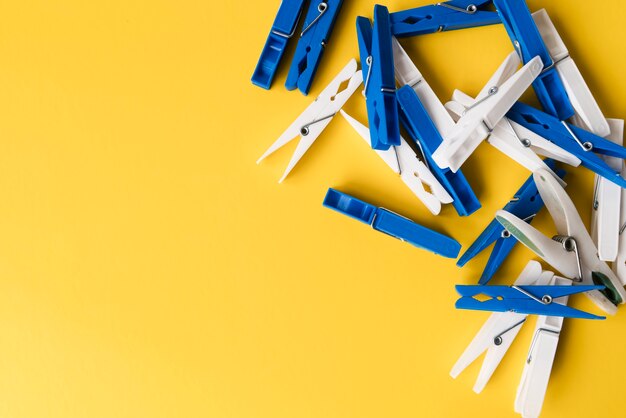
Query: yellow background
149	268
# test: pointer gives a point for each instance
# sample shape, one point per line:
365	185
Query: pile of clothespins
571	129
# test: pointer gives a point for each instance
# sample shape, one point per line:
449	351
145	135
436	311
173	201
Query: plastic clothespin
525	205
380	87
493	102
579	142
413	172
607	202
515	141
619	266
440	17
528	42
588	114
318	25
312	122
499	331
392	224
531	391
572	252
283	29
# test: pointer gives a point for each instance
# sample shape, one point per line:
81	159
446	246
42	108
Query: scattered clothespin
619	266
607	202
499	331
312	122
492	103
572	252
413	172
440	17
392	224
579	142
531	391
528	42
525	205
380	86
318	25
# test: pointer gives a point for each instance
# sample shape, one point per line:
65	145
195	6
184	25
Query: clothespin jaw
413	172
525	205
579	142
572	252
283	29
532	300
422	129
451	15
392	224
312	122
318	25
375	48
527	40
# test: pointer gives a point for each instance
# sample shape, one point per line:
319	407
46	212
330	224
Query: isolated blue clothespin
318	25
392	224
532	300
376	53
579	142
424	132
527	40
525	205
440	17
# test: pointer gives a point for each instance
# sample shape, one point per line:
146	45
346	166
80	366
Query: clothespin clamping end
390	223
444	16
375	48
312	122
414	173
478	120
525	205
572	252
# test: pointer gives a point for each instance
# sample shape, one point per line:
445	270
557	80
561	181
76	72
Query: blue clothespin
376	53
579	142
424	132
392	224
451	15
532	300
525	205
318	24
527	40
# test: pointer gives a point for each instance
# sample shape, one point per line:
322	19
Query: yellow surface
148	267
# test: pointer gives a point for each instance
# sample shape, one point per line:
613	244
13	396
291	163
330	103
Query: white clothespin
572	252
607	198
588	114
413	172
532	389
312	122
499	332
619	266
515	141
494	101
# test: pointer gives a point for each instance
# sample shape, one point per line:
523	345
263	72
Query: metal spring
570	245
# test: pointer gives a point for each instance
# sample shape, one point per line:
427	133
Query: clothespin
413	172
493	102
312	122
525	205
528	42
607	202
318	25
587	111
499	331
579	142
531	391
619	266
515	141
392	224
380	86
572	252
440	17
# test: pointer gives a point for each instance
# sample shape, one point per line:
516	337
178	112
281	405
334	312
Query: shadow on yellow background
150	269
